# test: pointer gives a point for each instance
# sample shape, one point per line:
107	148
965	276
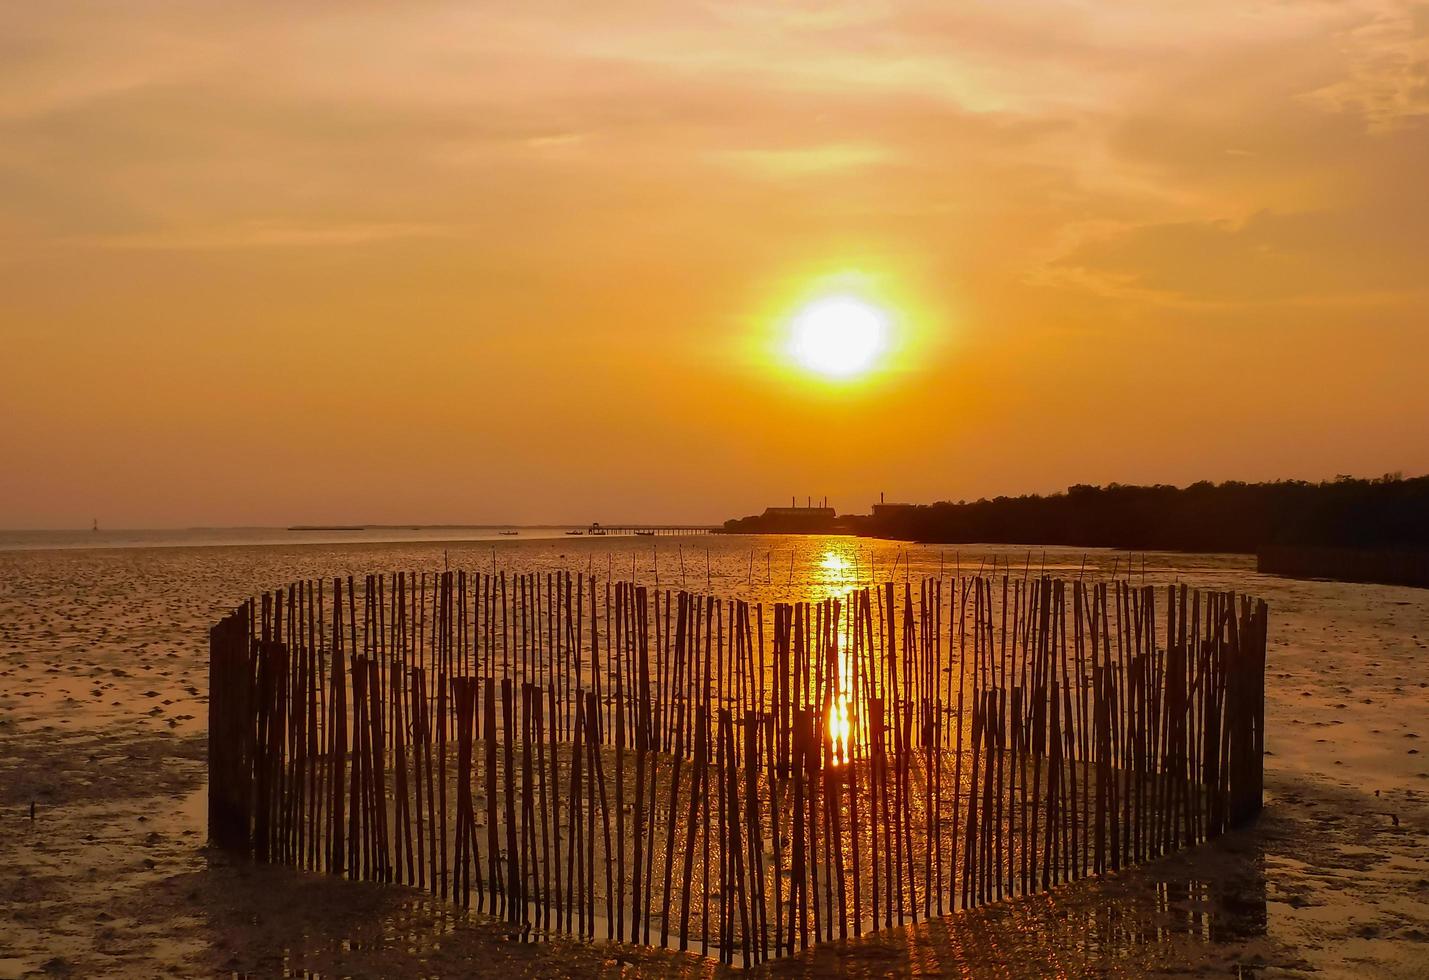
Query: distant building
883	509
801	513
788	520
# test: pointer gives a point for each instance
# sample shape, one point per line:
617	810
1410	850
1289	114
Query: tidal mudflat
103	678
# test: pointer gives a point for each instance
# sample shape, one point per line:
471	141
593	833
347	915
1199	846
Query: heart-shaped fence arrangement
663	767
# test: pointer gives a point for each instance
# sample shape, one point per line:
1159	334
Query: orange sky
371	262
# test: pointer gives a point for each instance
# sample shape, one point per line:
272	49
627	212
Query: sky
264	264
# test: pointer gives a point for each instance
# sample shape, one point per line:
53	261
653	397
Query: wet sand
103	676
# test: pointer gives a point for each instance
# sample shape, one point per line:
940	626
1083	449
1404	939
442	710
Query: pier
648	530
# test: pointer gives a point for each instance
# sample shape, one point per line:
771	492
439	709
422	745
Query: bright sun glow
839	336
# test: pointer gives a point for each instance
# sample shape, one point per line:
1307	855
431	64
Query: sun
839	336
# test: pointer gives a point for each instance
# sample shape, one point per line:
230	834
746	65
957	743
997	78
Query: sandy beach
103	868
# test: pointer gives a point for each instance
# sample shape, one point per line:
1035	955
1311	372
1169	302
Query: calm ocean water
762	567
208	537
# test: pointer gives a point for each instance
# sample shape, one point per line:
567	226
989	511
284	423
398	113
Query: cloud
808	160
266	234
1267	258
1387	77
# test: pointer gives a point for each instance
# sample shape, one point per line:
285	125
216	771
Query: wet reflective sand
102	684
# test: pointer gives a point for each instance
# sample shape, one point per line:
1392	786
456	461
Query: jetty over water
660	530
596	529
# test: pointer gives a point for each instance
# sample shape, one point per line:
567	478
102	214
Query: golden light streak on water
839	729
839	580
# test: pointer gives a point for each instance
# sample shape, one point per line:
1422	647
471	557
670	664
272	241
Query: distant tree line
1385	512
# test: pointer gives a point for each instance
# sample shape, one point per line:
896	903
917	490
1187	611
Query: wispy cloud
264	234
806	161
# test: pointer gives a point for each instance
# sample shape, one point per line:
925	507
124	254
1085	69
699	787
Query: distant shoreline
1374	530
436	535
1384	513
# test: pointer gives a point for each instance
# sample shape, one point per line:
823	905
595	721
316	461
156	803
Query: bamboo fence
664	767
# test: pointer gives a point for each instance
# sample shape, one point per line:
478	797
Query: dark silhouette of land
1385	514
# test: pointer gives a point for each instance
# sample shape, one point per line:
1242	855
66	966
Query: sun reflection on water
839	729
839	579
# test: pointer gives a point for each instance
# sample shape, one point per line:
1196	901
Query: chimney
880	496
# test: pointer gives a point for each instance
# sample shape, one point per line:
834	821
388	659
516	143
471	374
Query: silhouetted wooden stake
379	787
855	758
538	725
722	766
798	886
593	743
515	896
812	750
527	832
638	822
880	768
578	888
759	914
706	608
619	765
737	869
650	832
463	856
552	775
670	818
692	827
489	744
645	832
775	831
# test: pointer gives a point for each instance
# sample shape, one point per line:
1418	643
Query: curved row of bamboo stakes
661	766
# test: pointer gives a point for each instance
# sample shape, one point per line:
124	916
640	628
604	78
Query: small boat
575	532
510	534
